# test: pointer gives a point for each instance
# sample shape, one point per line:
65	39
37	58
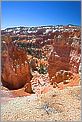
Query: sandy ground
48	103
54	105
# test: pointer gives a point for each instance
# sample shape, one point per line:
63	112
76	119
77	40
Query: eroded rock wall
15	70
65	56
59	59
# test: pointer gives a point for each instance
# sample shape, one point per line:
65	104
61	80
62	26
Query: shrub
42	69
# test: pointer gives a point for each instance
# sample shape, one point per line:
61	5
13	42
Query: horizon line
39	25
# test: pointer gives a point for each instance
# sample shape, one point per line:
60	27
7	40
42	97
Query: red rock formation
15	70
59	58
75	59
65	56
28	87
61	76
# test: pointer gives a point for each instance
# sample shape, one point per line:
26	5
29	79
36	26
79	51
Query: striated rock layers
15	66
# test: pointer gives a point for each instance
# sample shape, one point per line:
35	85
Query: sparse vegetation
42	69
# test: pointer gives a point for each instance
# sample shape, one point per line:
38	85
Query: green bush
42	69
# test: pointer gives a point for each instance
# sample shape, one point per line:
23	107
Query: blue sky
40	13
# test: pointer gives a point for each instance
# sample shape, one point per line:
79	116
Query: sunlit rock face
75	58
15	69
59	59
65	56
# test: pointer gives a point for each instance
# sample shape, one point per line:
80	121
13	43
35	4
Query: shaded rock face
15	68
34	63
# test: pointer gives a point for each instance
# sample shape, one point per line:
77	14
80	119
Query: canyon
44	51
41	63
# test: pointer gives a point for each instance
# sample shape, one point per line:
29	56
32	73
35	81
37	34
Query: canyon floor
47	103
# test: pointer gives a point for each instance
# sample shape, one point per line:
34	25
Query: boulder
28	88
61	76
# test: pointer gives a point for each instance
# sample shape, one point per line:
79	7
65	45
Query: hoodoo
59	58
15	67
66	55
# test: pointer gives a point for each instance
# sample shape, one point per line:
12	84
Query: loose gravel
54	105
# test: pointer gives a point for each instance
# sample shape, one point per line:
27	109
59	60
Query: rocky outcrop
28	87
65	56
39	81
15	70
75	58
61	76
59	59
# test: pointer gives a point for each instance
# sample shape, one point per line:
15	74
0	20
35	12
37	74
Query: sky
27	13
